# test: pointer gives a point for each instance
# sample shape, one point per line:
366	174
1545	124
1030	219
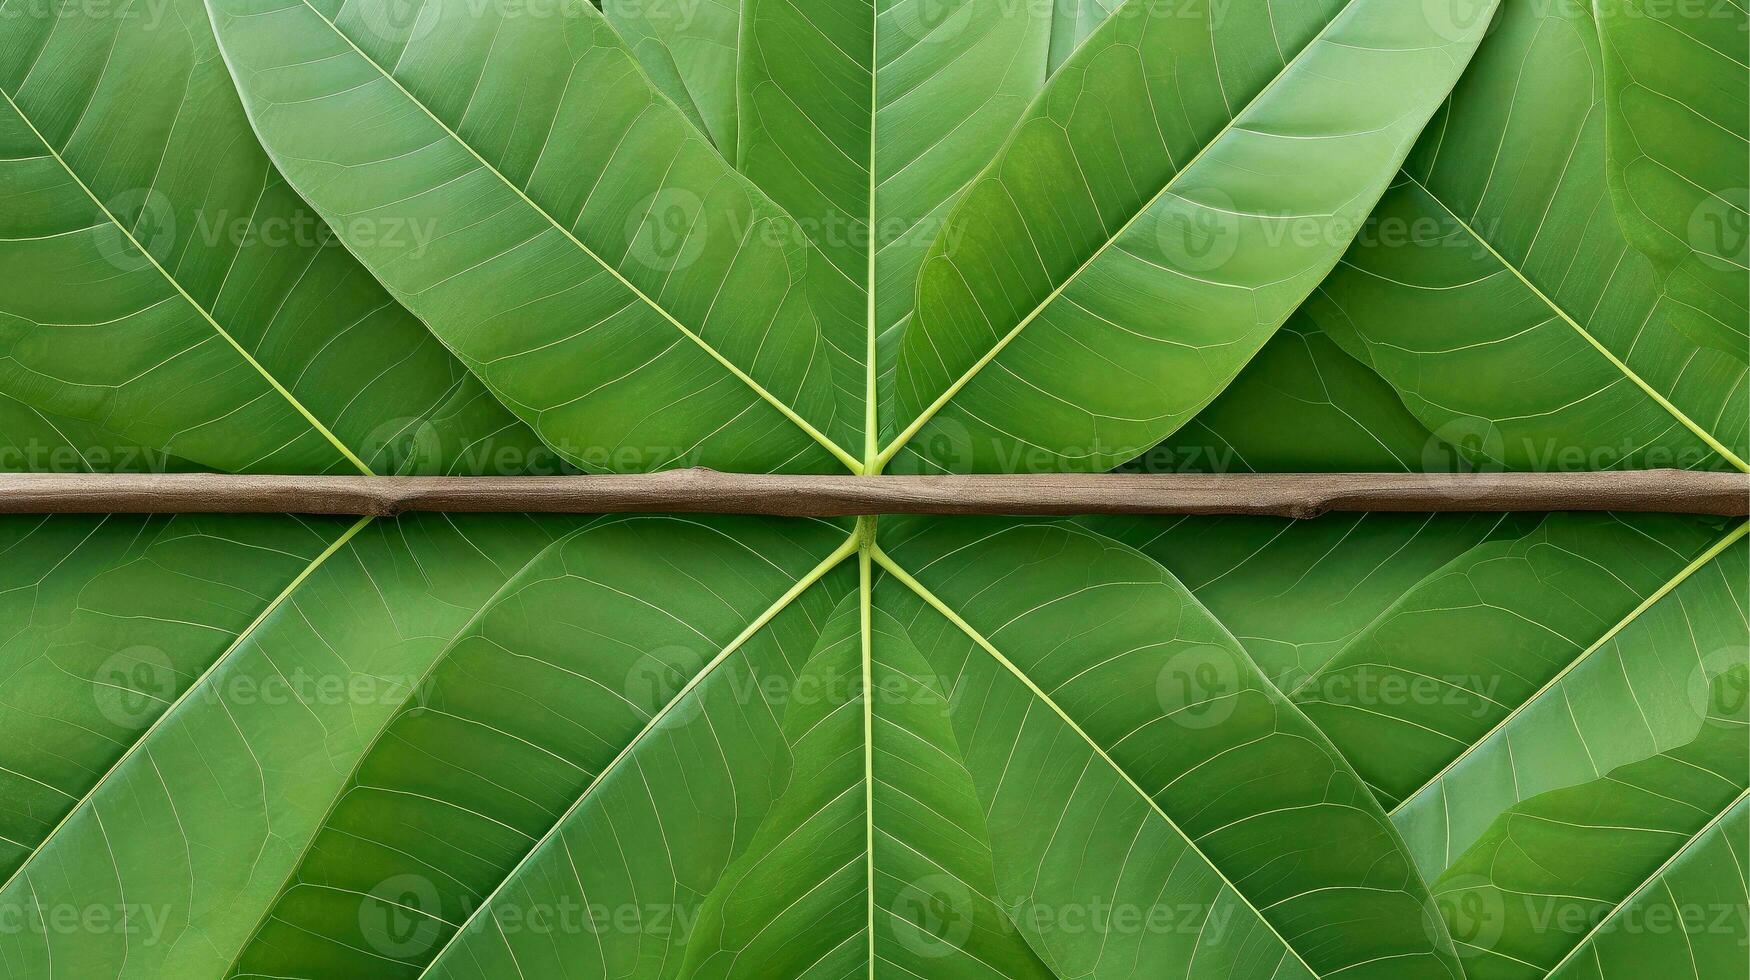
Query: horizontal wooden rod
1299	495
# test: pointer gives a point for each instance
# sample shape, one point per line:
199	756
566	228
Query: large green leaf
1512	615
879	834
522	735
1679	153
186	732
626	294
1302	405
659	747
691	50
166	295
1489	680
1105	715
866	120
1180	186
1495	291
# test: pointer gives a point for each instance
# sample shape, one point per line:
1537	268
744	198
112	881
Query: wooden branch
704	491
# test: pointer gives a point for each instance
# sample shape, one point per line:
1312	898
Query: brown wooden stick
1301	495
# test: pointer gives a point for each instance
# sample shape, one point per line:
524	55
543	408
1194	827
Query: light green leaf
1494	290
1690	917
1181	185
1511	615
627	294
1302	405
227	715
866	120
1678	123
1297	593
875	859
590	751
690	49
167	294
1557	816
1105	715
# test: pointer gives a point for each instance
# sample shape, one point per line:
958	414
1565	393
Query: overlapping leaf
1494	288
1166	204
627	294
1370	746
168	301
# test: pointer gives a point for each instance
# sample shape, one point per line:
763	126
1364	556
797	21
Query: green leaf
1512	614
1494	289
627	294
1691	915
1106	715
229	707
867	121
690	49
166	294
1679	154
609	709
875	860
1298	593
1160	210
1302	405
